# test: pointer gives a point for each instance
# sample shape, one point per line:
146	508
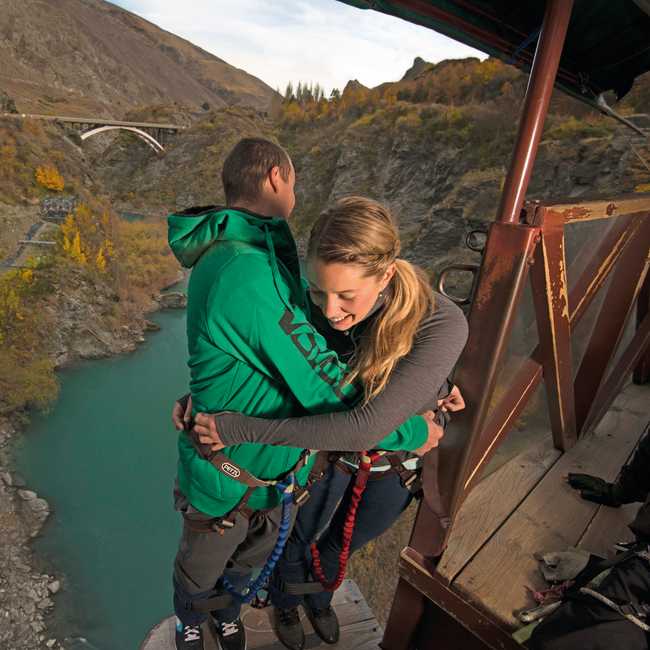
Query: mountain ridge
93	57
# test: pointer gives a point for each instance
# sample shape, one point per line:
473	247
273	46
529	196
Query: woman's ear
388	275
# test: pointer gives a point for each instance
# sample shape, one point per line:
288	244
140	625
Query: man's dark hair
248	164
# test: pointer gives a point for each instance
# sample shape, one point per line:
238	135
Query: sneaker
324	622
288	627
232	636
188	637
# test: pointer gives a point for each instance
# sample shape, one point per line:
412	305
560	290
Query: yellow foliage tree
100	260
49	177
88	237
75	249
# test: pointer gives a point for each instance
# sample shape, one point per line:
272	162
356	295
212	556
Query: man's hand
205	427
182	413
593	488
435	433
453	402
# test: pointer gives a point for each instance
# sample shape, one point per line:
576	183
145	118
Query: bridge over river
153	133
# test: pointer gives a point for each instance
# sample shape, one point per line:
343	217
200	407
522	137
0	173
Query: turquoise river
104	457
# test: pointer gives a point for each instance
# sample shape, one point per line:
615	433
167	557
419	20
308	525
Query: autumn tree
48	176
88	239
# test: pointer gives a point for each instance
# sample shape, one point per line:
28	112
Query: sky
315	41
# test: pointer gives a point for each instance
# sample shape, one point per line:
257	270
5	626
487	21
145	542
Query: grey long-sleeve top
413	387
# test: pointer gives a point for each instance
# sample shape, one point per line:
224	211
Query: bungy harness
410	481
291	494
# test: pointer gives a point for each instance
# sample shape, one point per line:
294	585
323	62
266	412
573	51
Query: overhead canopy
606	48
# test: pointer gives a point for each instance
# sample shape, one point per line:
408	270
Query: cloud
301	40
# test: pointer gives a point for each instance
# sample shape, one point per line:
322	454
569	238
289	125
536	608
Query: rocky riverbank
27	595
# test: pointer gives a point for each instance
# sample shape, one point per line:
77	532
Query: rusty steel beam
550	295
642	370
506	261
538	96
622	293
610	388
529	375
633	204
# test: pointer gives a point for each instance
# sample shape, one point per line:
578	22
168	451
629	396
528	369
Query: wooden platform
526	506
359	629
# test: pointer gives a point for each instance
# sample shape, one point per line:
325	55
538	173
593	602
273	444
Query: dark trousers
381	504
203	559
588	624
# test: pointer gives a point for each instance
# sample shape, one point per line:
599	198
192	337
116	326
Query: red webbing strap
360	480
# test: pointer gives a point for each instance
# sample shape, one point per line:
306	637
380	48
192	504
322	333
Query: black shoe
188	637
232	636
324	622
288	627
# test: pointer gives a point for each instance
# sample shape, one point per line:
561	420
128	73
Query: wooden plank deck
526	506
359	628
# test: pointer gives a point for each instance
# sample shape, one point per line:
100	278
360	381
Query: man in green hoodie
253	350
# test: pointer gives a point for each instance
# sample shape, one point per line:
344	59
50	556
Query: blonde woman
401	342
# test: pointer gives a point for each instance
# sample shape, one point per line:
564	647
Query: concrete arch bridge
155	135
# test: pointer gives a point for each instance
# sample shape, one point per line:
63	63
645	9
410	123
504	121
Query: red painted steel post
538	96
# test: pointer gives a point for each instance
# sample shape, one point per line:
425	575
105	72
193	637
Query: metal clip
473	242
473	268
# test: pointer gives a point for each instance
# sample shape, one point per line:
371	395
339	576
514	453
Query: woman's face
342	292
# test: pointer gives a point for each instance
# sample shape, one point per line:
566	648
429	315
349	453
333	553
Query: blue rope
250	591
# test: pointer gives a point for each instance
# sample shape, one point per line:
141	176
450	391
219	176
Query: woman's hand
205	427
435	433
453	402
182	413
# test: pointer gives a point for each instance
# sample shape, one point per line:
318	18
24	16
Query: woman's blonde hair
363	232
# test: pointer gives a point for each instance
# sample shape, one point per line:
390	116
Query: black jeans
381	504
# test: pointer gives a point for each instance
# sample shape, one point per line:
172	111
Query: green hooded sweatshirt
253	350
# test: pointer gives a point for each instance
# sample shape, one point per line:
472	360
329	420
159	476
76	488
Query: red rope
361	478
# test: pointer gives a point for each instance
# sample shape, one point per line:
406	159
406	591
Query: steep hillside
91	57
435	146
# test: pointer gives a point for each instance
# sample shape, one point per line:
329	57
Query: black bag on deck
585	623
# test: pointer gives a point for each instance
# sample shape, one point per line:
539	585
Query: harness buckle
301	496
219	525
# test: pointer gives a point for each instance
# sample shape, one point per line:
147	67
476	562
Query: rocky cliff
434	146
